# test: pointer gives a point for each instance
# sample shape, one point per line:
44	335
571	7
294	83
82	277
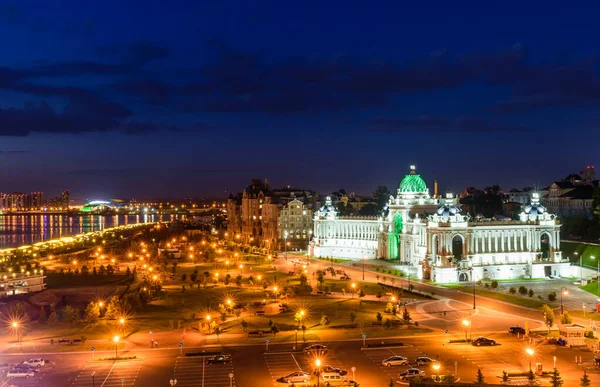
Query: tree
530	293
480	377
565	318
274	329
244	325
522	290
85	270
92	313
512	290
183	277
128	272
552	296
352	317
381	195
555	379
585	380
52	319
494	284
320	277
379	295
110	270
325	320
505	376
405	315
379	317
361	293
67	314
548	315
531	377
238	281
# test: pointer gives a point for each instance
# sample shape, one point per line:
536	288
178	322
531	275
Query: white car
20	373
39	362
296	377
410	374
395	360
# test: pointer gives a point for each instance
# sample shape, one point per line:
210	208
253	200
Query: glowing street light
530	352
241	268
563	291
353	289
318	365
116	341
466	323
436	367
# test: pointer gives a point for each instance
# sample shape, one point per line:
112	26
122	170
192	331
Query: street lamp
436	367
363	268
466	324
563	291
93	378
241	267
116	341
318	364
530	352
353	288
122	322
15	326
173	381
208	323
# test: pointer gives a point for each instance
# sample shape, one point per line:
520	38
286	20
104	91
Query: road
253	366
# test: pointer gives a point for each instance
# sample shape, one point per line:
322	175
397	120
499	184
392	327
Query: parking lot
108	374
377	355
37	380
195	371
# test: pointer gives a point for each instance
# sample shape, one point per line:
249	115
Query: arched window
545	245
457	248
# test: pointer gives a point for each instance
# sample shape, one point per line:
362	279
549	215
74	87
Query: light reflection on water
17	230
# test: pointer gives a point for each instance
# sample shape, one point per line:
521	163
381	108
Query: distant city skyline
196	100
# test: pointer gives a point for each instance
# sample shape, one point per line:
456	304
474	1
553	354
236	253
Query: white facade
435	241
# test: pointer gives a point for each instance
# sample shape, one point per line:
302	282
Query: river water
17	230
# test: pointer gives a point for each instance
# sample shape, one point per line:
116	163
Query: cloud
85	114
437	125
152	92
134	53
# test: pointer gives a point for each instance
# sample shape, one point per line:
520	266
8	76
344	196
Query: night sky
153	98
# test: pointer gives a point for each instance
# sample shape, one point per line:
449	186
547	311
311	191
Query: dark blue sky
141	98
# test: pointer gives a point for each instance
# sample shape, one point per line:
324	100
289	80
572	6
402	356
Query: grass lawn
513	299
516	280
579	313
449	285
591	287
574	251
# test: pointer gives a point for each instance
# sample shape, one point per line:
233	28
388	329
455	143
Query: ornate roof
412	183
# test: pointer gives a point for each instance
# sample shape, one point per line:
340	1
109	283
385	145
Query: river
17	230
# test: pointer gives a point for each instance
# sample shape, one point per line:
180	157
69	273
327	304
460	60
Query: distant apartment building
295	224
253	216
572	196
18	201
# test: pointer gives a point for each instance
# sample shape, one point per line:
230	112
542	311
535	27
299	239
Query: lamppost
93	378
208	323
116	341
466	324
173	381
241	269
530	352
563	291
122	322
318	364
15	326
363	268
436	367
353	289
296	346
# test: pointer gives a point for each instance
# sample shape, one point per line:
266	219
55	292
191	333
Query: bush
530	293
512	290
494	284
522	290
552	296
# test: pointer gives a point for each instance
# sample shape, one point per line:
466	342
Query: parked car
295	377
424	361
315	348
330	369
219	359
38	362
395	360
483	341
517	329
410	373
20	373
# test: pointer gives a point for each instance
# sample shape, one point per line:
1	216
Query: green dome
412	183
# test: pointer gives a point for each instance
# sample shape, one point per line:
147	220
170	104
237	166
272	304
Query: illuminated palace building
430	238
